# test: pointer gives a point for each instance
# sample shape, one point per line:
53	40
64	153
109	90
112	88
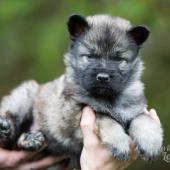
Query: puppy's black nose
103	77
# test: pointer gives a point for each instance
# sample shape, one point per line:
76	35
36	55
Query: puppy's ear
77	26
139	34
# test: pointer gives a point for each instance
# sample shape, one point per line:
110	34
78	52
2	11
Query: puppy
103	71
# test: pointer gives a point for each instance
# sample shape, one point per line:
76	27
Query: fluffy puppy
103	71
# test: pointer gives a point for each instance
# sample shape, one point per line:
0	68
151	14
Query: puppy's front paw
147	155
120	154
121	148
31	141
148	136
5	128
149	148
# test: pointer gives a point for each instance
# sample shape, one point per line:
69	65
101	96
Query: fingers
154	116
132	143
41	164
12	158
88	127
152	113
134	154
133	148
146	111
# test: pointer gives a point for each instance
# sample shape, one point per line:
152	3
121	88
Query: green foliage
33	39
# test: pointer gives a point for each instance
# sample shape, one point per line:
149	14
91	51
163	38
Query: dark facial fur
104	53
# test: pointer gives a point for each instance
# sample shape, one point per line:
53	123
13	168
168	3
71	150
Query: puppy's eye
118	57
90	55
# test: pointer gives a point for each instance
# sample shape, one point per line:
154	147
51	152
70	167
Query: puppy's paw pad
122	155
31	141
5	127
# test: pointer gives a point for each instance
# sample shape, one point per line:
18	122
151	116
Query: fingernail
87	109
88	115
153	110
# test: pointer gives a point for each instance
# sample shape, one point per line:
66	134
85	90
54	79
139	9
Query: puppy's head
103	56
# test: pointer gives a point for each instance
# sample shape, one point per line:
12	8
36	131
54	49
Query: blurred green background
33	39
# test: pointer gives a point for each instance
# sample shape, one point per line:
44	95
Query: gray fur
101	44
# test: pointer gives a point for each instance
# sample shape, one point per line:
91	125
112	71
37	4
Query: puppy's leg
5	128
113	135
15	110
31	141
148	136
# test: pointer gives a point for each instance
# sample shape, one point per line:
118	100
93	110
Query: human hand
20	160
152	113
95	156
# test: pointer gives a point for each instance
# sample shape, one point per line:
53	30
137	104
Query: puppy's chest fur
57	110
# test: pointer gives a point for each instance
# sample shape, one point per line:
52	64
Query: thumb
88	127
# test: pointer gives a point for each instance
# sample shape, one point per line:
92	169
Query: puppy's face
104	53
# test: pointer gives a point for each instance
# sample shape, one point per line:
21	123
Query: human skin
20	160
94	156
